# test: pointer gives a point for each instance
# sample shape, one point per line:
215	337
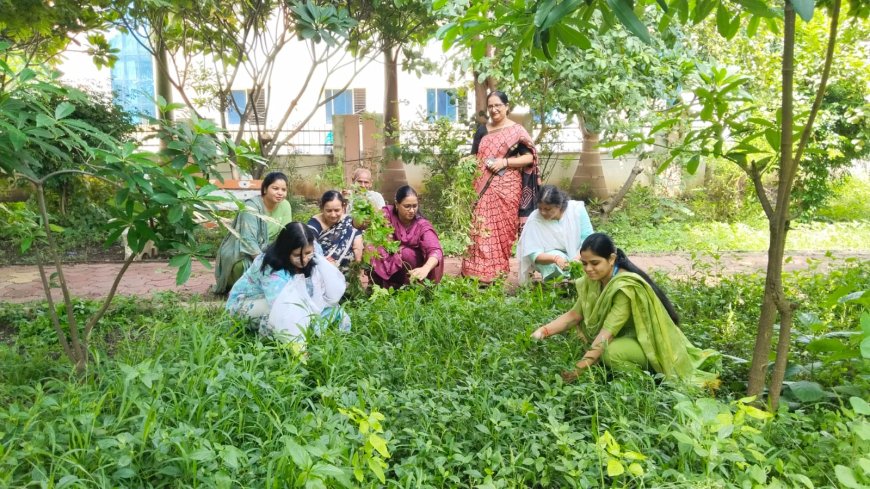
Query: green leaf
820	345
625	149
202	454
25	244
703	9
692	165
625	13
860	405
806	391
752	26
803	480
299	455
375	466
773	138
380	445
43	120
804	8
572	36
63	109
756	7
543	11
846	477
614	467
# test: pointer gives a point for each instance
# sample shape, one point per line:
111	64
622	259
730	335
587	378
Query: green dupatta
666	347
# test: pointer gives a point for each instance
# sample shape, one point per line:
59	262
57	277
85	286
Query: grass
181	396
739	236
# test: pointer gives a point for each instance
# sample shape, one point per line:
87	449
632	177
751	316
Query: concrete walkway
93	280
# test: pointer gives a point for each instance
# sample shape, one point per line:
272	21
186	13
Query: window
239	102
133	77
344	102
445	102
341	103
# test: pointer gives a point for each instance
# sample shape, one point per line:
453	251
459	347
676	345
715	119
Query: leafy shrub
850	201
726	196
449	193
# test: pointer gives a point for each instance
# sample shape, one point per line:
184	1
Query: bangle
507	163
546	331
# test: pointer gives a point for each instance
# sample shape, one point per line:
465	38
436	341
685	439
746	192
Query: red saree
495	217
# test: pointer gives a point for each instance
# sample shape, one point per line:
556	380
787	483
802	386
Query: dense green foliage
181	396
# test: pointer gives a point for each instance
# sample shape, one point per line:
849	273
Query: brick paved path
93	280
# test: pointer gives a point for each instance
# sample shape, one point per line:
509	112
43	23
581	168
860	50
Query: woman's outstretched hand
418	274
569	376
540	333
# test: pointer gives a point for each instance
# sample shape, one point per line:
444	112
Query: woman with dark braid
628	319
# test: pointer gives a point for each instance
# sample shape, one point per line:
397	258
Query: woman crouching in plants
289	286
630	320
419	256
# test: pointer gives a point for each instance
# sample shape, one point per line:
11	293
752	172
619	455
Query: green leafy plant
373	452
449	191
158	197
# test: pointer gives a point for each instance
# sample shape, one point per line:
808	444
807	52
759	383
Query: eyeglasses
494	106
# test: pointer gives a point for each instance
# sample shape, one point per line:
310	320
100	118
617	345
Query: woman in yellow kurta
629	319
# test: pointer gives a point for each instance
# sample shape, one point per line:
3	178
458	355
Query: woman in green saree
254	233
629	320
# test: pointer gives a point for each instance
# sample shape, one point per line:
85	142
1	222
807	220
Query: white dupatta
540	235
294	307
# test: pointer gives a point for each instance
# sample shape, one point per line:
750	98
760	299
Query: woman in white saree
552	235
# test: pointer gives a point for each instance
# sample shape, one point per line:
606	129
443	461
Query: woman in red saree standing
505	152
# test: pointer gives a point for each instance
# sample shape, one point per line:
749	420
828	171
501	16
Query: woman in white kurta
289	287
552	235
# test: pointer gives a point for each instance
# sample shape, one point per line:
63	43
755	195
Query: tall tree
399	28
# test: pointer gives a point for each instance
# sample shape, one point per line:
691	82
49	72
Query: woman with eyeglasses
506	189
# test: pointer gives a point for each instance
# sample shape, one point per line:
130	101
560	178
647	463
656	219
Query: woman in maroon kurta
419	256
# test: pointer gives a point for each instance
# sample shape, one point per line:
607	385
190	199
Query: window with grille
359	100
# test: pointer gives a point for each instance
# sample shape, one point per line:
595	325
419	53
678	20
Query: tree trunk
774	296
611	204
162	83
589	176
481	90
393	176
774	300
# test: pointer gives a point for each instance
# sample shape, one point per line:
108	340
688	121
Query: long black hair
602	245
292	237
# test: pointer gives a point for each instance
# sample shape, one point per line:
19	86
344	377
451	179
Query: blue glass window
342	104
443	102
133	77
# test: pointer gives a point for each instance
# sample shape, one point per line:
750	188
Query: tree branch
108	301
755	176
823	84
